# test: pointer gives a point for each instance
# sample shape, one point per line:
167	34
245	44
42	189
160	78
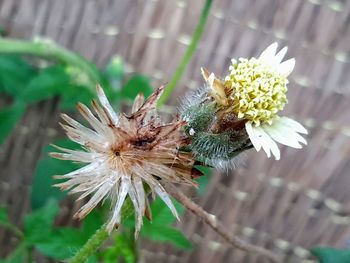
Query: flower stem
188	54
90	246
49	50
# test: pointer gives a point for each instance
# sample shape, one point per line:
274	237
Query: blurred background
287	206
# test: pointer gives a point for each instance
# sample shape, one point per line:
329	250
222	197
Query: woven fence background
287	206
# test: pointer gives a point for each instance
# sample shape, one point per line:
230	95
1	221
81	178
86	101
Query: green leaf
137	84
38	225
42	186
50	82
165	233
162	214
331	255
92	222
64	242
9	118
15	73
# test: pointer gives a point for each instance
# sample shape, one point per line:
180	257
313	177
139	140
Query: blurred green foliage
47	167
331	255
40	233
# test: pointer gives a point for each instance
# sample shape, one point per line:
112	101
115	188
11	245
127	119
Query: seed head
122	153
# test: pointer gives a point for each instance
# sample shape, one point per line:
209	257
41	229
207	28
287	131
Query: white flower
263	96
255	90
122	153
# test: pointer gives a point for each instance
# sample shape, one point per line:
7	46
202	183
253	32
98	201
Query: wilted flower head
242	110
122	153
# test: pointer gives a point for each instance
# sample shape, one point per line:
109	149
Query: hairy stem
188	54
100	236
91	246
49	50
217	226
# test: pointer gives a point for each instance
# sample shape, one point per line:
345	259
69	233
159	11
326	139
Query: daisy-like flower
122	153
255	91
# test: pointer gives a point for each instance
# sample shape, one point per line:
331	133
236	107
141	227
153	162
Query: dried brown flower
121	153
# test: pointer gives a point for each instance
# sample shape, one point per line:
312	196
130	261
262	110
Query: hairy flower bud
217	137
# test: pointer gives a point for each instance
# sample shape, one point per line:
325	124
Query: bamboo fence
286	206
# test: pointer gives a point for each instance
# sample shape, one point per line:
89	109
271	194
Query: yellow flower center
257	90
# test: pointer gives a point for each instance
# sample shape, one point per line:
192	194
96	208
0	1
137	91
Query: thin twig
217	226
196	36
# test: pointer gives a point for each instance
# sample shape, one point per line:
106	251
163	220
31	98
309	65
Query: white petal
87	169
105	103
166	199
138	213
94	122
286	67
296	136
73	155
267	143
95	199
283	134
123	191
293	124
140	196
114	193
269	53
255	141
280	55
270	143
260	138
73	123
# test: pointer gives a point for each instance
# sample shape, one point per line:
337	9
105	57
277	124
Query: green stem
188	54
49	50
90	246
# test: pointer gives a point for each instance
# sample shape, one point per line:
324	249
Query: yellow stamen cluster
258	91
